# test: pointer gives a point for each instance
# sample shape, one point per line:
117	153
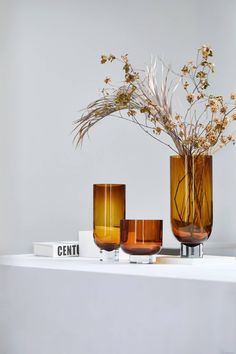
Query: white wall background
49	69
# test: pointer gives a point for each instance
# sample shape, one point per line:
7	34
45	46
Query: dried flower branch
146	100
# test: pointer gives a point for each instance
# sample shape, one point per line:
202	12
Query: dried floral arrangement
146	99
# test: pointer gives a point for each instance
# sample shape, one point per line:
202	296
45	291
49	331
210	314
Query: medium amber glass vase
191	202
108	210
141	239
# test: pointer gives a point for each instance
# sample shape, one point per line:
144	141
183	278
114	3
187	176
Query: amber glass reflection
108	210
141	237
191	198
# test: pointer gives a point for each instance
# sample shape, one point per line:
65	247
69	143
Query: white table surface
212	270
83	306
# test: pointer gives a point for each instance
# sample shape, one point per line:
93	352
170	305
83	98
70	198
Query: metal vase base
192	251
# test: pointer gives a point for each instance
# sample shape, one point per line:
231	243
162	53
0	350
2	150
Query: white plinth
81	306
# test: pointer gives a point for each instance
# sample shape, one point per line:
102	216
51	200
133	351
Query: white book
60	249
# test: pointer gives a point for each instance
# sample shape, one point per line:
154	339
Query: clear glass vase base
187	251
142	259
109	256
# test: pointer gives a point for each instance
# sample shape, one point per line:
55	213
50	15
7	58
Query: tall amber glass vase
191	202
108	211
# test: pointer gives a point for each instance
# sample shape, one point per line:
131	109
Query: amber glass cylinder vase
191	202
141	239
108	210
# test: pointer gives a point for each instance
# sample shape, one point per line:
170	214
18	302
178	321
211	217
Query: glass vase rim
190	156
142	220
109	184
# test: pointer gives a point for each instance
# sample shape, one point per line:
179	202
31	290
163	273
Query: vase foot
188	251
109	256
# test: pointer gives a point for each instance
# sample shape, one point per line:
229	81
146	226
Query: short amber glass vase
191	202
141	239
108	210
